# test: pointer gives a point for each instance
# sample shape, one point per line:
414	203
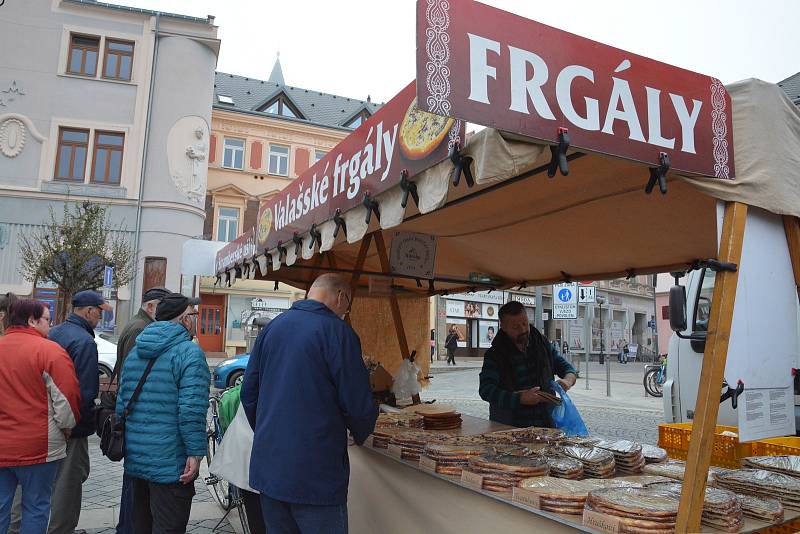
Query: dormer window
358	120
281	106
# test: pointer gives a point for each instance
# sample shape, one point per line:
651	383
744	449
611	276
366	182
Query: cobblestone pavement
102	490
603	415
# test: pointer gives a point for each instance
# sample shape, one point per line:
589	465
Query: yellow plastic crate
727	451
776	446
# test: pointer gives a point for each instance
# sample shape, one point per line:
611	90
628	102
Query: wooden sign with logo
427	464
601	522
395	450
473	480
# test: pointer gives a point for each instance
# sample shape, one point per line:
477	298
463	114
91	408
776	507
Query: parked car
230	372
106	356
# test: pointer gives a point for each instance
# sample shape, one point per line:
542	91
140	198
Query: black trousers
451	356
161	508
252	508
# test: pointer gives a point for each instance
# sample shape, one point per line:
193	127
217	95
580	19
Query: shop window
278	160
118	63
227	225
107	160
73	146
233	153
83	54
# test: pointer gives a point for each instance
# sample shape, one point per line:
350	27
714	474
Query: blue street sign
565	295
108	276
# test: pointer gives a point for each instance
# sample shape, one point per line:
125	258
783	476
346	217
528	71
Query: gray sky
357	48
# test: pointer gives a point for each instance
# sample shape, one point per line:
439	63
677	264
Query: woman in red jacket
39	404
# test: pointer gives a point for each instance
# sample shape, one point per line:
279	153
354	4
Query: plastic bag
405	382
566	416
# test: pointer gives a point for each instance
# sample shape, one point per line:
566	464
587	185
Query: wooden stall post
792	227
714	358
380	244
362	256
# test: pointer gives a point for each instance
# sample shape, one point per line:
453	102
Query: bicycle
226	495
654	378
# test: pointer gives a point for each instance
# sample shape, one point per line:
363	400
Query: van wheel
104	372
235	379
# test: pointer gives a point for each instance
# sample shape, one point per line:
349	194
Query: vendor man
520	364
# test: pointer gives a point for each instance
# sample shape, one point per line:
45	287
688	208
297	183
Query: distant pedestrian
127	339
76	336
451	344
165	434
39	405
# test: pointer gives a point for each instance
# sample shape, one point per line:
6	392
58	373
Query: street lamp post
600	301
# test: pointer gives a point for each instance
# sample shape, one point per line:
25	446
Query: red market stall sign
491	67
398	137
236	251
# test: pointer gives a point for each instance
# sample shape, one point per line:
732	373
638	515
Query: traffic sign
587	294
108	276
565	301
106	293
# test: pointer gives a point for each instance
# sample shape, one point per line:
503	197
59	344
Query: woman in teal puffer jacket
166	431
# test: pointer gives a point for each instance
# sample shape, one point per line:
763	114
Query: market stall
407	207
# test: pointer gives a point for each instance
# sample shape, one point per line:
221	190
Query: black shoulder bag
112	433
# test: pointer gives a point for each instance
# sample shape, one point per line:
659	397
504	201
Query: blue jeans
125	524
287	518
37	489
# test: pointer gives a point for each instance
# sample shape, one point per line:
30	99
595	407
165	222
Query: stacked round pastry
501	472
675	469
761	508
721	508
399	419
442	421
653	454
627	455
597	463
451	458
639	510
762	483
565	467
382	436
567	496
530	434
788	465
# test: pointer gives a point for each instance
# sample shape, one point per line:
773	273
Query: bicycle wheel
220	488
649	377
658	383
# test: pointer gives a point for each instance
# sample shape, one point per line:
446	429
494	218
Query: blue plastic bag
566	416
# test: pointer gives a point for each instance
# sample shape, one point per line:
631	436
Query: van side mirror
677	308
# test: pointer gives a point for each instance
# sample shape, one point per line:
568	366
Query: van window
702	307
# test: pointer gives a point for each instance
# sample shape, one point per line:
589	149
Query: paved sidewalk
101	495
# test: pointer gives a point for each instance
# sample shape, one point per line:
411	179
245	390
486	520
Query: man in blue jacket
305	386
76	336
165	432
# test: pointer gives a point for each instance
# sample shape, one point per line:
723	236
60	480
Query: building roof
791	86
318	108
187	18
276	76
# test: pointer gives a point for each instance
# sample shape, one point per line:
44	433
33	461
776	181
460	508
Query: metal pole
655	319
587	339
608	363
538	317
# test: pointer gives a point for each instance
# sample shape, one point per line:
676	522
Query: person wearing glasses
305	386
76	336
165	434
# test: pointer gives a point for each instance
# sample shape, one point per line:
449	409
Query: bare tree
73	251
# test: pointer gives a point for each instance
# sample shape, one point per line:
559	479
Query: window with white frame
227	224
318	155
279	160
233	153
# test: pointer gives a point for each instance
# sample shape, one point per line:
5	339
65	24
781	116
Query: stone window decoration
227	224
233	153
83	53
12	137
118	63
279	160
73	145
107	161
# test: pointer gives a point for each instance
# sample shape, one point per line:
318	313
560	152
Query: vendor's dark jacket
506	371
127	339
305	386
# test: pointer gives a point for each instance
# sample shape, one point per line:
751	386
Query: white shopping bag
232	460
